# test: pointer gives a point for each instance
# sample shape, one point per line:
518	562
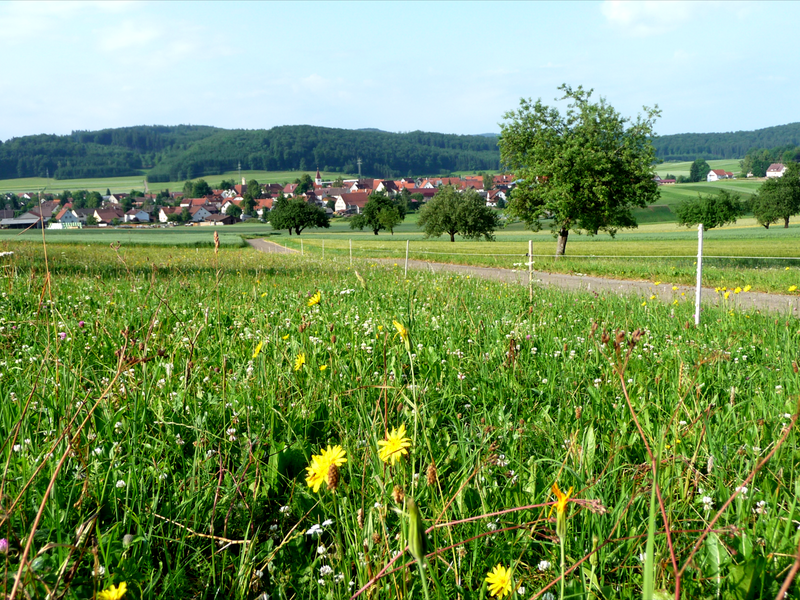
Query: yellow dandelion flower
675	302
395	446
657	283
323	367
286	337
299	361
792	288
674	288
653	297
786	269
315	299
499	581
644	303
738	290
560	507
264	294
317	471
113	592
258	349
728	293
401	330
746	288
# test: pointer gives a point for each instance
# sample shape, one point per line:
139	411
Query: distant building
776	170
717	174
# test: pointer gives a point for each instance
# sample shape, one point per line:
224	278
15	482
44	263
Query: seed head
398	494
333	477
431	477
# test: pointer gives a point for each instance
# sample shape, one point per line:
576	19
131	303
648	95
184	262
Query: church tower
318	179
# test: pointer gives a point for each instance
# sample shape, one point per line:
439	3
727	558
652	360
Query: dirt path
645	289
270	247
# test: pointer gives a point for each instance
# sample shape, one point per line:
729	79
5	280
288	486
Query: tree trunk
786	222
766	225
561	246
290	231
375	231
452	236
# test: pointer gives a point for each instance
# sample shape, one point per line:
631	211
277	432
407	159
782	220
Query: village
339	198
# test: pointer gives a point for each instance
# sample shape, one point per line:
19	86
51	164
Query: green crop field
191	424
682	168
126	184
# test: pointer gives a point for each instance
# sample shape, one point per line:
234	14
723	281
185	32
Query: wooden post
351	253
301	247
699	274
323	249
406	271
530	270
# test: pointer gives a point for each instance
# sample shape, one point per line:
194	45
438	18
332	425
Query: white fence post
301	247
530	270
351	253
323	249
406	271
699	274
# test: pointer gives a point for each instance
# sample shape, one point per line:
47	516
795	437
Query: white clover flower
543	565
327	522
708	503
325	570
315	530
322	550
121	483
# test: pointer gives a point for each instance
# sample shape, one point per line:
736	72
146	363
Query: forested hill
736	144
187	151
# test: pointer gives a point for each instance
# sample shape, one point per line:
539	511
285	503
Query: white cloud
644	19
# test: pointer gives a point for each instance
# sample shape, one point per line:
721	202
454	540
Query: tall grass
158	425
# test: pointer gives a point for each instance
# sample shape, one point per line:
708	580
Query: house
717	174
198	213
325	193
272	189
137	215
506	179
387	186
776	170
166	211
46	209
230	202
67	218
218	220
263	204
289	189
117	198
363	185
351	203
104	216
666	182
494	196
24	221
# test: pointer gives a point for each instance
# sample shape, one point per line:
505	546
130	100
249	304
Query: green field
682	168
170	418
126	184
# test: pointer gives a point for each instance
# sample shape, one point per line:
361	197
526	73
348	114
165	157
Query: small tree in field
779	198
454	213
711	210
378	212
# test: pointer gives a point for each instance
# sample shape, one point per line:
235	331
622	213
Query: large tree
297	214
713	210
778	198
586	170
454	213
698	170
371	215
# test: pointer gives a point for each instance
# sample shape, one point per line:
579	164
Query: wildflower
653	297
746	288
315	530
543	565
323	367
113	592
727	294
321	464
499	580
561	509
62	335
258	349
120	483
394	446
792	288
4	546
81	324
315	299
708	502
403	333
299	361
286	337
738	290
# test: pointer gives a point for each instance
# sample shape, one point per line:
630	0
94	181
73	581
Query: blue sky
453	67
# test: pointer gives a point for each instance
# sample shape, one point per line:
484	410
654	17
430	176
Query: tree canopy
297	214
585	170
699	170
712	210
465	214
778	198
380	212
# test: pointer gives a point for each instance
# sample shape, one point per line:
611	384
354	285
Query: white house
199	213
776	170
137	215
717	174
67	217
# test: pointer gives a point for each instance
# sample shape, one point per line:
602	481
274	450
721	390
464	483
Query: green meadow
194	424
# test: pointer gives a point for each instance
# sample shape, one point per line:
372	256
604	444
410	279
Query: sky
451	67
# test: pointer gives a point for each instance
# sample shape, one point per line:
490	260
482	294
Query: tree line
187	152
734	144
